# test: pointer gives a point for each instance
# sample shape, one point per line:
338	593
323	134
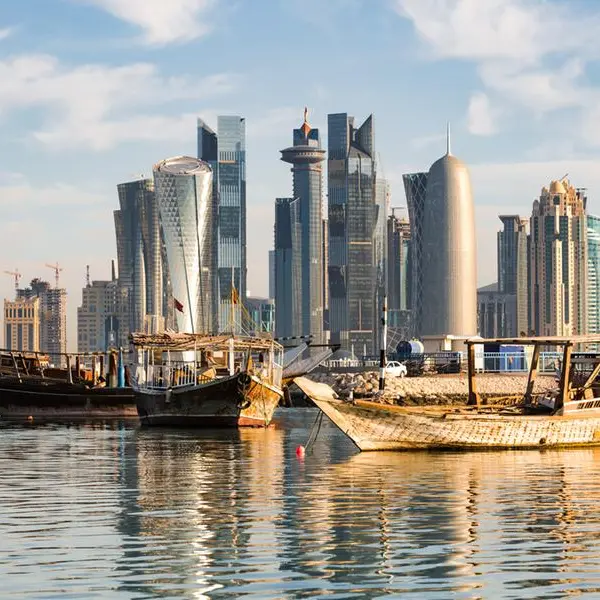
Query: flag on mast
178	305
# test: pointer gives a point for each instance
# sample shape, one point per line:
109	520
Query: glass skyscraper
306	156
139	254
513	270
354	302
287	268
593	274
415	188
225	152
184	195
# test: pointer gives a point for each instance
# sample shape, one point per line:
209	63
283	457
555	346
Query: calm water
115	512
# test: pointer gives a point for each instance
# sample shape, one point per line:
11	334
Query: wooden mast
474	399
532	373
565	378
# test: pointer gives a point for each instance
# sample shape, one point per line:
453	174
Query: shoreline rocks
431	389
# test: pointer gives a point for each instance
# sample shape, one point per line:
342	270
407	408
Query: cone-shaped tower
448	253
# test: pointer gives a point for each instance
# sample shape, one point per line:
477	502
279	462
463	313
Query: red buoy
300	451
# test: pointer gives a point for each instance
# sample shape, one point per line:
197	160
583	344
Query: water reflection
141	513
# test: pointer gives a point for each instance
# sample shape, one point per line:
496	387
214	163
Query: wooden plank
565	379
532	373
473	395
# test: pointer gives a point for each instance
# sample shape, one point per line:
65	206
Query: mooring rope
314	432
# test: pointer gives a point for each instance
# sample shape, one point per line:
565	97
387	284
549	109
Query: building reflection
191	501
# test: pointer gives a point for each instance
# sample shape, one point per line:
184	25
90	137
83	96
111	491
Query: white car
395	369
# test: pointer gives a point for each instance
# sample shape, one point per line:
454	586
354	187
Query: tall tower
225	152
558	255
139	254
448	261
184	195
513	270
287	268
306	156
415	188
353	219
593	274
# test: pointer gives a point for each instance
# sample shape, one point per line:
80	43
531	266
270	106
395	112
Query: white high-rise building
183	188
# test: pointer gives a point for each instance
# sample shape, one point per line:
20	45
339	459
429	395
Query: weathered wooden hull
222	403
51	400
374	426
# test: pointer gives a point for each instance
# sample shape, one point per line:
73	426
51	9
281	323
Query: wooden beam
592	376
565	379
532	373
473	395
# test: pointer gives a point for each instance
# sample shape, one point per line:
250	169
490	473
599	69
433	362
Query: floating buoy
30	418
300	451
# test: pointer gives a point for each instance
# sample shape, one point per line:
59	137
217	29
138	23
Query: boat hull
374	426
222	403
52	400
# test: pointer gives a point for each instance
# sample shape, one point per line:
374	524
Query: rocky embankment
432	389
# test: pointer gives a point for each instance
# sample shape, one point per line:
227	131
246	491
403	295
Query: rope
314	432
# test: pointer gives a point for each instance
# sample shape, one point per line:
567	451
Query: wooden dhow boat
78	389
568	416
192	380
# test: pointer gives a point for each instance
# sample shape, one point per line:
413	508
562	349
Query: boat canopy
190	341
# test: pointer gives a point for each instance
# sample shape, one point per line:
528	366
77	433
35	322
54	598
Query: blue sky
94	92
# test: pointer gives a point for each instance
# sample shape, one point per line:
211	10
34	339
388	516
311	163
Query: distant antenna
564	177
113	272
87	276
448	146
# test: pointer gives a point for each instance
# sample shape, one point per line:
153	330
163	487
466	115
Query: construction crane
57	269
16	275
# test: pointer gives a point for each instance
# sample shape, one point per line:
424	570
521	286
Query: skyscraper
513	270
593	274
184	195
448	261
103	317
22	324
399	264
288	305
225	152
53	316
415	188
306	157
139	254
559	261
354	302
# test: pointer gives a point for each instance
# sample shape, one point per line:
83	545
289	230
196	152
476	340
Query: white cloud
528	53
480	115
98	106
6	32
162	21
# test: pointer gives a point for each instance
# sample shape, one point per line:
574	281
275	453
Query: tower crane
16	275
57	269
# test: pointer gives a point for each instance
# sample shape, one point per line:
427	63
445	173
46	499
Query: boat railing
175	374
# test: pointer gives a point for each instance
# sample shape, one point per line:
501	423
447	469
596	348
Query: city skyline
111	92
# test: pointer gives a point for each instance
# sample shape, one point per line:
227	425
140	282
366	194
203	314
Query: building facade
103	317
225	152
593	274
53	316
415	188
306	157
496	312
140	255
448	260
183	187
559	261
287	269
399	264
354	302
22	324
513	269
261	312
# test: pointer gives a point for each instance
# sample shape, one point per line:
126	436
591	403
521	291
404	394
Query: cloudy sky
93	92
